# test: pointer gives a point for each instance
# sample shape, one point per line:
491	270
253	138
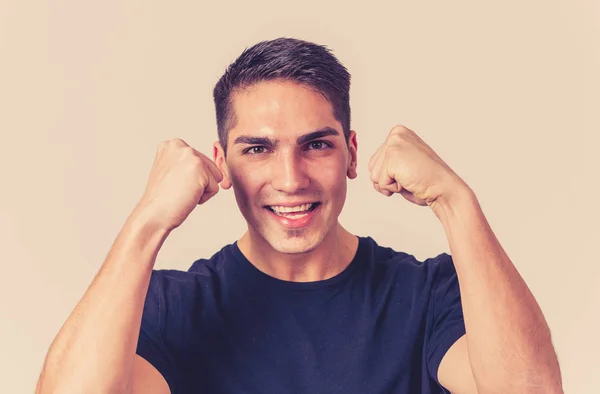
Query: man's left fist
405	164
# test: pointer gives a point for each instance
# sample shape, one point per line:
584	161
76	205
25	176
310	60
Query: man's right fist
181	178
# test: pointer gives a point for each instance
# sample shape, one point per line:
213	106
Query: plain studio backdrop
505	92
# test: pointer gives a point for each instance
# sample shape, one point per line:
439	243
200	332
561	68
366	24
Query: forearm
510	348
95	349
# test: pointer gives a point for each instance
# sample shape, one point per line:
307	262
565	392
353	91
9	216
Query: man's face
287	159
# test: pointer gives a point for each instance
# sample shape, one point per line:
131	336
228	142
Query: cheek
330	175
246	186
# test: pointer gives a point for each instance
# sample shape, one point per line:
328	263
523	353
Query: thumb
211	189
412	198
393	187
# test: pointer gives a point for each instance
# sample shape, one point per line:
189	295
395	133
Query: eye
318	145
255	150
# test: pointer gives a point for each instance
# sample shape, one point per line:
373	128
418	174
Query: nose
289	175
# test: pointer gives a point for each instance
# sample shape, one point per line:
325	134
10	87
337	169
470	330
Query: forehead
280	108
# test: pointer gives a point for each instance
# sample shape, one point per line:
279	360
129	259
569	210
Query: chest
312	342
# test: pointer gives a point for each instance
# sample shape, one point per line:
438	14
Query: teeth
298	208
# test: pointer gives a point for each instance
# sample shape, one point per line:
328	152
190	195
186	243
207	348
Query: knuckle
213	189
204	179
188	155
196	163
176	143
393	140
188	151
399	129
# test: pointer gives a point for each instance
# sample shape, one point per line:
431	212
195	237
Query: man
299	304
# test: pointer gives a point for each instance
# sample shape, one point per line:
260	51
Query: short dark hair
286	59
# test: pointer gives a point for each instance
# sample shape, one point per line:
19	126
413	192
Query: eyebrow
268	142
324	132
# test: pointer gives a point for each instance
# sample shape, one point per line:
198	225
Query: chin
289	239
293	241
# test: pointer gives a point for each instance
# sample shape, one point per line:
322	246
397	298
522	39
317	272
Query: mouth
294	216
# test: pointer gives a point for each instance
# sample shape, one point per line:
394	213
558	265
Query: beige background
506	93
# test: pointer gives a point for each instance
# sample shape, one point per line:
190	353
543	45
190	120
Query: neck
330	257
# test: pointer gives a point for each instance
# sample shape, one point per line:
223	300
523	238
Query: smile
292	211
293	216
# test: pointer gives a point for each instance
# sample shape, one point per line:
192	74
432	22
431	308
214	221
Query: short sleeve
445	313
151	344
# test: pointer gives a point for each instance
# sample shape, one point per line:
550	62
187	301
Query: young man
299	304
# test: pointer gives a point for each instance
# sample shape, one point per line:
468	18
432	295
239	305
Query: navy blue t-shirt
380	326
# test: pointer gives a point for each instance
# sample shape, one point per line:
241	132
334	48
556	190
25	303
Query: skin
507	348
285	170
107	319
512	353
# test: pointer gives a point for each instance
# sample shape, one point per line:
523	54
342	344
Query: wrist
458	198
143	221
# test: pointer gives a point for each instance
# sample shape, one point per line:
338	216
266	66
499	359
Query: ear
219	159
352	155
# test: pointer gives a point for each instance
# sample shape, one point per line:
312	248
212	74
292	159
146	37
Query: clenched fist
405	164
181	178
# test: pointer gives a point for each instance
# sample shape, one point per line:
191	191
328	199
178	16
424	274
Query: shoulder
405	271
387	257
172	284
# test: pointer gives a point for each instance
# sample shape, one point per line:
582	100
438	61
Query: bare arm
507	346
508	340
95	350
